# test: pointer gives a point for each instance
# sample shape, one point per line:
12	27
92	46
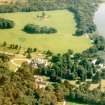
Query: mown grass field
70	103
60	42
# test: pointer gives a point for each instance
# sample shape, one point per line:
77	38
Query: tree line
83	10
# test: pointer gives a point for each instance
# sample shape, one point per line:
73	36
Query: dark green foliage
48	53
99	61
99	42
69	66
30	50
6	24
99	45
35	29
54	78
97	77
103	73
84	12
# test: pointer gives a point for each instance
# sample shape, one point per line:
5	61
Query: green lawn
62	20
70	103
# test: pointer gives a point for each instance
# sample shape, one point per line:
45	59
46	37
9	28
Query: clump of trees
29	51
6	24
69	66
31	28
99	45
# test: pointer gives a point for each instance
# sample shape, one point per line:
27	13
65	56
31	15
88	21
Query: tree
99	61
97	77
34	49
6	24
4	44
81	73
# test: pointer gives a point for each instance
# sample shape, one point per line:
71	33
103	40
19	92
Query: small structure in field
43	15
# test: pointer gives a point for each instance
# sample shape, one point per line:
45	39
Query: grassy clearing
19	62
70	103
12	67
74	104
60	42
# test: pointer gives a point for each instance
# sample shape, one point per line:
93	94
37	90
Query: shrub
6	24
31	28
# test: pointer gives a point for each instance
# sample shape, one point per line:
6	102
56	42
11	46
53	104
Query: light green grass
60	42
70	103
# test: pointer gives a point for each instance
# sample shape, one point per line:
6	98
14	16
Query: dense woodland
17	88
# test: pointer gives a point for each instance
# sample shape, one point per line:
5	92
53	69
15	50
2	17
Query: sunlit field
60	42
70	103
